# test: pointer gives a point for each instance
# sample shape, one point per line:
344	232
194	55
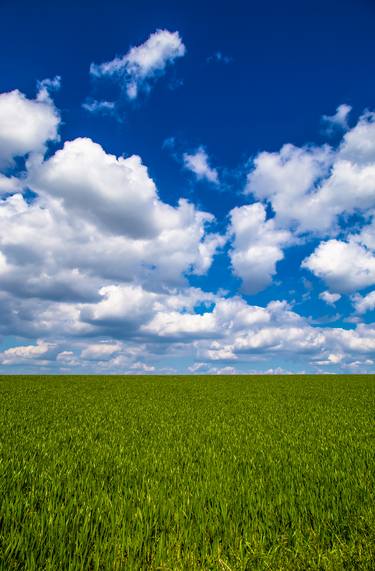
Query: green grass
187	473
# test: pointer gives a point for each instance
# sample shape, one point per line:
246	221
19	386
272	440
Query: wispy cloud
135	70
337	121
101	107
198	163
219	57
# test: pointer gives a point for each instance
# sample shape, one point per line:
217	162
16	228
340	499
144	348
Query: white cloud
55	248
339	119
330	298
286	179
257	246
310	187
100	351
100	107
365	303
366	236
359	143
46	86
9	184
114	192
141	63
161	326
117	194
22	353
174	324
198	163
142	367
97	264
26	125
133	310
222	371
344	266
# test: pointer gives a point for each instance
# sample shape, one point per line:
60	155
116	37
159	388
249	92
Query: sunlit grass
187	473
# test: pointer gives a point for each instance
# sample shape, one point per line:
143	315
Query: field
183	473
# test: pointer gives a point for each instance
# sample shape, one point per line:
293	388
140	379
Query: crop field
180	473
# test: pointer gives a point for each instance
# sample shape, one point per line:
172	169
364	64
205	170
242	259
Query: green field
187	473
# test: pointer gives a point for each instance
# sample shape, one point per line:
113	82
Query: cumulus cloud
130	309
285	179
338	120
26	125
97	267
310	187
358	144
9	184
25	353
344	266
198	163
56	248
365	303
95	250
131	322
114	192
100	351
48	86
142	63
257	246
329	298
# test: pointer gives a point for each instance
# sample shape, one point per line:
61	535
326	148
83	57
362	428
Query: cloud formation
198	163
329	298
257	246
97	271
141	64
26	125
344	266
309	188
338	120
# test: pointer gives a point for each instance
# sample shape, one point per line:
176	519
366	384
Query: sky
187	187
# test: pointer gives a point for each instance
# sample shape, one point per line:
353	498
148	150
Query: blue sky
187	187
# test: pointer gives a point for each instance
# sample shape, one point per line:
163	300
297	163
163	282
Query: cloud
257	246
55	248
344	266
338	120
24	353
365	303
26	125
285	179
131	310
100	351
184	326
366	236
198	163
219	57
100	107
98	268
48	86
309	188
115	192
358	144
9	184
161	326
135	70
117	195
329	298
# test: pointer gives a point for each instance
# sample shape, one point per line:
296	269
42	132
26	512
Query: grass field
187	473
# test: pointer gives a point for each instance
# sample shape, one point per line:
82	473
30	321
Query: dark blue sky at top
291	62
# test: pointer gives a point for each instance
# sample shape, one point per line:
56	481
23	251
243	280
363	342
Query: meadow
180	473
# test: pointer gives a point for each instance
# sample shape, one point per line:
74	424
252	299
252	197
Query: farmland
184	473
